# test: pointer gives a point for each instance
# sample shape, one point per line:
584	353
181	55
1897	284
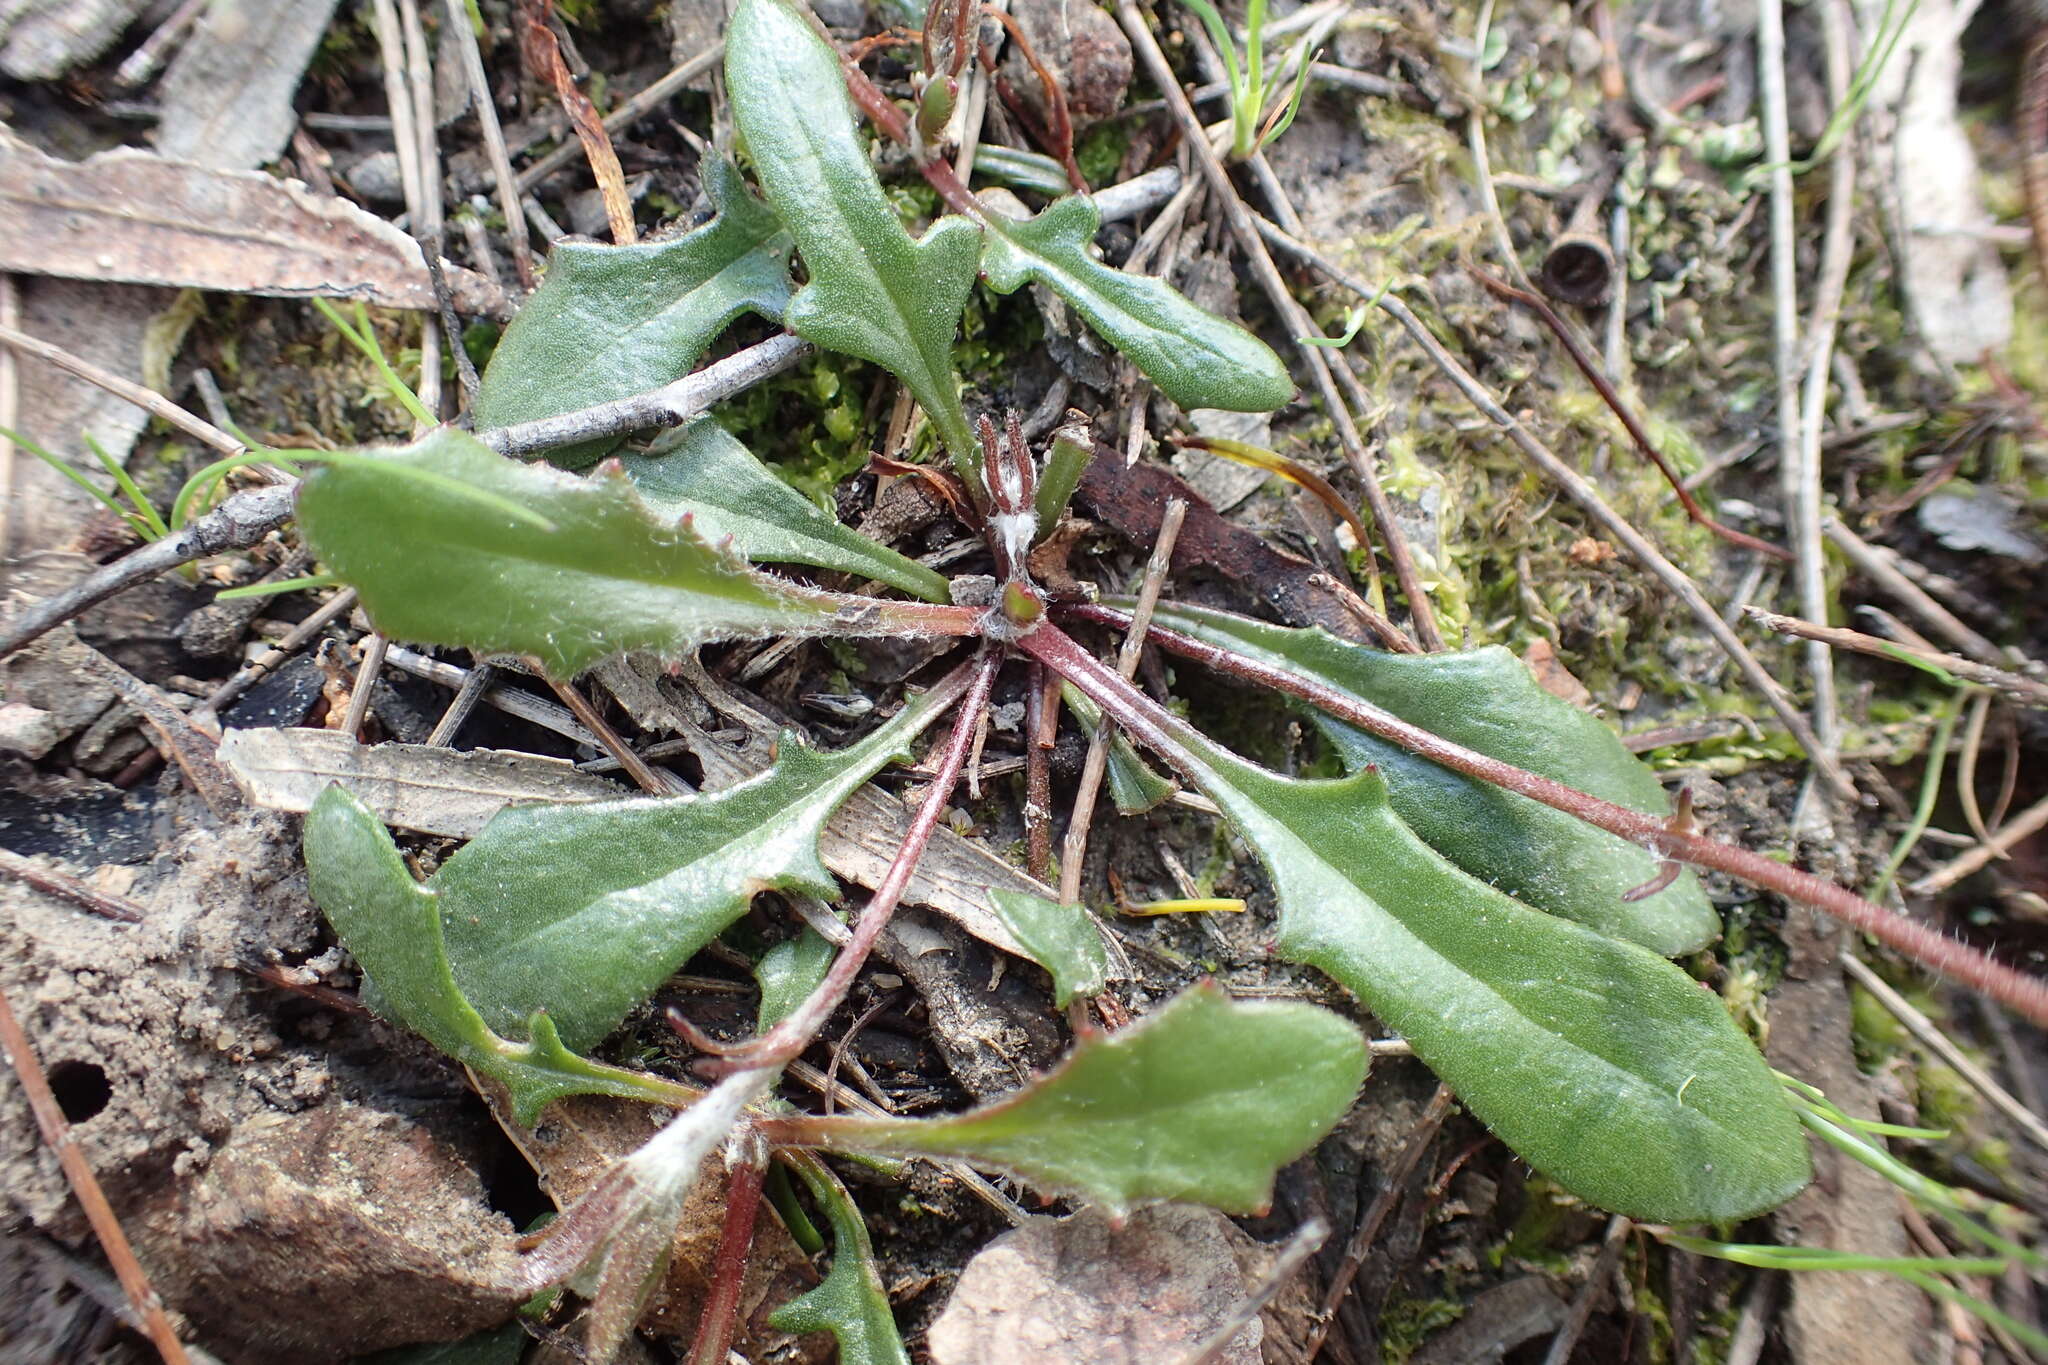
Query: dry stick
625	115
1286	1265
1589	367
1291	312
597	145
398	100
10	406
789	1037
1674	579
1368	1230
1966	767
494	140
1041	732
1934	950
667	406
511	700
2021	827
366	682
460	709
2033	132
1923	1028
86	1187
253	671
425	213
2025	691
1075	851
1875	563
1567	1338
149	400
1801	479
636	767
51	882
241	521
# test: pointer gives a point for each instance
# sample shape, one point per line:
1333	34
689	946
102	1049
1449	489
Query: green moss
1407	1323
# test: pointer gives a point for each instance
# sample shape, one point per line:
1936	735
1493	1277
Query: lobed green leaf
611	321
717	482
787	974
1486	699
394	927
1196	358
1203	1100
851	1303
586	571
585	910
874	292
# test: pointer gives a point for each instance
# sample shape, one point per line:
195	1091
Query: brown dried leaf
1086	1291
132	216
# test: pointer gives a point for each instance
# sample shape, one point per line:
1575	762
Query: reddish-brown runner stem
794	1033
2022	992
729	1272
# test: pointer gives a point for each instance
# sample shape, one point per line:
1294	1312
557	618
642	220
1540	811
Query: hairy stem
1138	714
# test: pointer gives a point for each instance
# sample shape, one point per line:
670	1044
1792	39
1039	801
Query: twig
2033	131
1286	1265
511	700
636	767
2021	827
51	882
1674	579
1041	733
2026	993
1589	367
425	212
1759	1306
86	1187
142	63
398	99
1966	767
668	406
1923	1028
2026	691
1875	563
366	683
10	407
190	747
1298	322
625	115
1075	851
509	188
460	709
149	400
237	523
1567	1338
590	131
1801	479
1392	1184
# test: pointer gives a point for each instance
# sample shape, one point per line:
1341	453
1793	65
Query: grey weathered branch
237	523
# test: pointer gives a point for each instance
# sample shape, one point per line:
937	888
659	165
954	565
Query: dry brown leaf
412	786
1085	1291
138	218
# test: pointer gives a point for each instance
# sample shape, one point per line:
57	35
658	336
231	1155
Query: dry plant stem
1041	715
2025	691
729	1270
149	400
398	100
366	683
1299	324
1567	1338
597	144
1137	714
51	882
1075	851
236	524
1368	1230
2033	131
10	406
1589	366
1674	579
508	185
425	214
636	767
2022	827
1802	480
623	117
667	406
253	671
1286	1266
463	705
1966	767
794	1033
1759	1307
86	1187
1939	1043
1876	563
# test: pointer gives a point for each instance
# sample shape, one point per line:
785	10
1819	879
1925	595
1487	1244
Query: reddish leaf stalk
1137	713
790	1037
715	1325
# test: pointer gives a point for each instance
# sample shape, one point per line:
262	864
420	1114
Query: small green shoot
363	336
1252	124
